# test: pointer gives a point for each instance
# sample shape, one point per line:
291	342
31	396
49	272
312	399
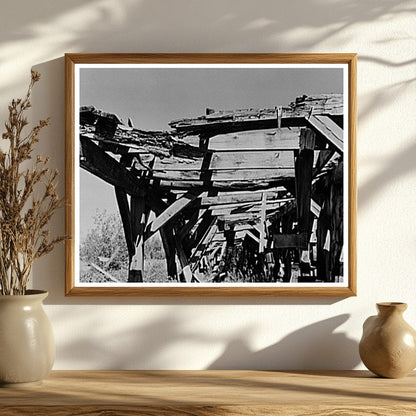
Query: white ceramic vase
27	347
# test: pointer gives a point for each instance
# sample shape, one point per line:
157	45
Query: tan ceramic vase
27	347
388	344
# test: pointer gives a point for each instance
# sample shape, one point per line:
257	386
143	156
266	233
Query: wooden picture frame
241	198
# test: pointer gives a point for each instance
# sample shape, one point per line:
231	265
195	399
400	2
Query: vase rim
401	306
30	293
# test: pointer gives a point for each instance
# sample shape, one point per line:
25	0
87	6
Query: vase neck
391	308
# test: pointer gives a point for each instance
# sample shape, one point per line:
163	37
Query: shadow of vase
314	347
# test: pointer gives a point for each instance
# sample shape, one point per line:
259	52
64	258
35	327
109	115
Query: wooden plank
225	175
267	139
271	203
202	246
324	156
290	240
106	274
219	186
214	392
184	231
124	209
168	241
307	139
248	119
315	208
201	231
138	222
266	159
246	208
170	212
304	165
329	130
97	162
186	274
254	237
262	225
237	198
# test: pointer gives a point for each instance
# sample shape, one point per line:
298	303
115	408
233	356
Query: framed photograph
211	174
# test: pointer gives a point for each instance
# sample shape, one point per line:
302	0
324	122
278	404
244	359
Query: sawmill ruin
243	196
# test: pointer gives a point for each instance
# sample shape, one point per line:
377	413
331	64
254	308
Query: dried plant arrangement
28	198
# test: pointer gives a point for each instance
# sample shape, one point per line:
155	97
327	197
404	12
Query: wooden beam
252	236
168	241
97	162
238	198
329	130
250	119
183	260
290	240
262	225
324	157
124	209
196	216
106	274
207	220
227	186
202	245
170	212
227	175
266	159
247	208
304	166
252	140
138	219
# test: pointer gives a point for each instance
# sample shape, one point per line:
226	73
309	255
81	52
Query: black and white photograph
211	175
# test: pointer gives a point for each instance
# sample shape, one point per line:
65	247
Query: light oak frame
319	291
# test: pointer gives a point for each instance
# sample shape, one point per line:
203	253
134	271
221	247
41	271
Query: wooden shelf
202	393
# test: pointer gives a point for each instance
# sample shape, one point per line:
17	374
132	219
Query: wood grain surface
203	393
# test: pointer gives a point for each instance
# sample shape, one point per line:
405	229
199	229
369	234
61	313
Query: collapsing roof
219	180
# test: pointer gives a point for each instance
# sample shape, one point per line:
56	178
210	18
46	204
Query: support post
138	223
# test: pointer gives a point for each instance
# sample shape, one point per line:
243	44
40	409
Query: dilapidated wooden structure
245	195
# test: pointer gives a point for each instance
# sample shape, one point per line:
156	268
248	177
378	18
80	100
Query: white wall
199	333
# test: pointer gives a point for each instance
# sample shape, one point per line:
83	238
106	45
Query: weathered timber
290	240
324	156
138	217
262	224
246	208
202	246
250	119
329	130
220	237
170	212
315	208
102	271
100	164
265	159
109	129
124	209
245	197
196	216
253	140
240	174
183	260
207	221
168	241
252	236
304	165
253	185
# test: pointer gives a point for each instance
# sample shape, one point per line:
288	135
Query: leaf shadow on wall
143	26
152	345
313	347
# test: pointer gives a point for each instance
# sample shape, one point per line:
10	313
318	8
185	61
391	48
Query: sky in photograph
152	97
